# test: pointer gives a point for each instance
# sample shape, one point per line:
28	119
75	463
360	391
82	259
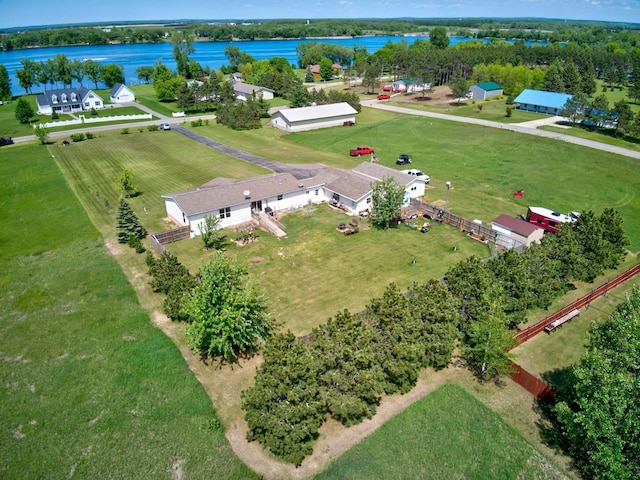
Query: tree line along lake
209	54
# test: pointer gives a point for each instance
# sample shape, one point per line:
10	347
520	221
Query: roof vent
247	194
300	185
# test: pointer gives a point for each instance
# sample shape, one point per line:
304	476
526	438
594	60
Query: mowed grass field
90	389
448	434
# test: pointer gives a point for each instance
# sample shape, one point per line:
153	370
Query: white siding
311	124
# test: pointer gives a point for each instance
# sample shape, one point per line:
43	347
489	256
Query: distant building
540	101
245	91
484	90
121	94
68	100
311	118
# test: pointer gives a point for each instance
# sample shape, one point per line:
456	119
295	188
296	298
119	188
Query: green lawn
146	95
597	136
448	434
316	271
90	389
162	162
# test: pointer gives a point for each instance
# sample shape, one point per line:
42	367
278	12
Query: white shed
121	94
310	118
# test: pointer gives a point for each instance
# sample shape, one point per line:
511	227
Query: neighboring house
68	100
519	231
245	91
542	102
236	201
121	94
315	70
236	77
311	118
485	90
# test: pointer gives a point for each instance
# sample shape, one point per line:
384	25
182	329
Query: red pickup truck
362	150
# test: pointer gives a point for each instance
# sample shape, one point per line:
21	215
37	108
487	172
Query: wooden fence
582	302
477	230
158	240
532	384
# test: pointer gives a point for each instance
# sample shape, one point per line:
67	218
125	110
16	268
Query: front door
256	206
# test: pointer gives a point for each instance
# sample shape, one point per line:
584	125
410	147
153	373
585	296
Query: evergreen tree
571	78
5	84
308	76
127	223
553	78
24	112
624	116
588	79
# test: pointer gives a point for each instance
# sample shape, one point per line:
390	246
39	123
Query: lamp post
448	184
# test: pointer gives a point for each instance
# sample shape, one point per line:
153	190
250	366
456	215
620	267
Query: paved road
298	171
529	128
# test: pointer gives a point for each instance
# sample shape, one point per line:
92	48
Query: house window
74	97
225	212
97	104
369	200
307	192
86	104
54	98
317	192
279	197
63	97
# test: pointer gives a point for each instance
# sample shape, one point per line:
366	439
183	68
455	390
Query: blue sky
15	13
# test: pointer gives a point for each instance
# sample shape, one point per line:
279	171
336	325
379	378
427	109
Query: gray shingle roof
47	97
247	89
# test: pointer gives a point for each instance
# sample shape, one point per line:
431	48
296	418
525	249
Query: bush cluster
344	367
76	137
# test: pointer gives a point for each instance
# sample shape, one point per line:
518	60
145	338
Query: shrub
196	123
55	116
124	131
140	129
510	100
479	108
93	112
90	136
509	111
153	128
77	137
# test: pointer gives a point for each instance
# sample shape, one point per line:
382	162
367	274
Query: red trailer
548	219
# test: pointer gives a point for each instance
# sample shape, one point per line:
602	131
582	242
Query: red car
362	150
384	96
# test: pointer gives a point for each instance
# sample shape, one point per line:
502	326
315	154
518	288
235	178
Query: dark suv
403	159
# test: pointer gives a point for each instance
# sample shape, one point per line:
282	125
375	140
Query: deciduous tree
228	317
387	198
211	233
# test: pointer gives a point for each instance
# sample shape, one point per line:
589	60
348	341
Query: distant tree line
593	34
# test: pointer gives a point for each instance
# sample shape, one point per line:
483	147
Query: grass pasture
90	389
432	440
162	162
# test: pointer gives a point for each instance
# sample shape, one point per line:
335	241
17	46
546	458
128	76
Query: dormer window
54	98
63	97
74	97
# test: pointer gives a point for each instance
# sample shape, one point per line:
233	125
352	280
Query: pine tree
127	223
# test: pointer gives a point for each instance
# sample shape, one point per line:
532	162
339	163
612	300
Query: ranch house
237	202
121	94
310	118
245	91
68	100
542	102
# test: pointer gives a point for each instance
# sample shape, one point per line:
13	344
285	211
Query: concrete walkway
529	128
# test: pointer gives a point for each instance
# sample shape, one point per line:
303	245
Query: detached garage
310	118
519	231
484	90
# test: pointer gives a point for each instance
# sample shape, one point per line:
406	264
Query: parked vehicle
6	141
165	126
403	159
549	220
384	96
418	173
361	150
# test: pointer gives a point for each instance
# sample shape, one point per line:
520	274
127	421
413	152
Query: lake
211	54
